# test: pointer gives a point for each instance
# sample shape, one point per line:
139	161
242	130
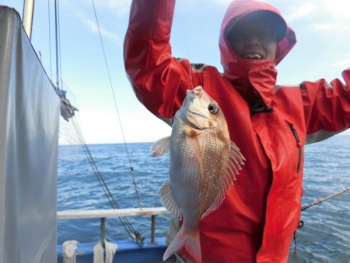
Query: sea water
325	236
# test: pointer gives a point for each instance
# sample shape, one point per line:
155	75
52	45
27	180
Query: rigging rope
67	112
57	46
115	104
48	7
136	236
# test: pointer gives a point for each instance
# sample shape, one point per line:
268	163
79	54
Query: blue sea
325	236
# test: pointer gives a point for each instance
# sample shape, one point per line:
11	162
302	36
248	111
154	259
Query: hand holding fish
203	165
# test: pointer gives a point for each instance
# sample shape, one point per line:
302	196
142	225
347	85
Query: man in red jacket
269	123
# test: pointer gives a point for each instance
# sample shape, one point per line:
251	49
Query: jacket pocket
299	146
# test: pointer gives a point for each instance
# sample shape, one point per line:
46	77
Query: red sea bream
203	165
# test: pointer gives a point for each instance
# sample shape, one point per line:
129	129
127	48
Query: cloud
119	7
328	27
221	2
318	16
338	9
317	10
301	12
92	25
341	63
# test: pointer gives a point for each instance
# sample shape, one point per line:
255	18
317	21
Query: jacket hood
238	69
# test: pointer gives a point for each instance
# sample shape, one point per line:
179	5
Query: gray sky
322	28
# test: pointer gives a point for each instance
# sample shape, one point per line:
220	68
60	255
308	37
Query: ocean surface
325	236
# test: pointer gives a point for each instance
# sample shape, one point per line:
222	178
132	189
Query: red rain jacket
261	212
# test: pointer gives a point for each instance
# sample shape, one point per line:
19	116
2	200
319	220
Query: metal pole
153	230
28	11
102	231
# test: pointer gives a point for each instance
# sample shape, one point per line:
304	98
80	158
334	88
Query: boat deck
127	252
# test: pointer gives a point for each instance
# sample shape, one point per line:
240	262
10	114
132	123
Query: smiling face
253	40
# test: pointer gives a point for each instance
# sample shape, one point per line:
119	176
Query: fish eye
213	109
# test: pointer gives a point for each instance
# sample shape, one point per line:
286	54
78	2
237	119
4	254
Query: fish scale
203	164
209	176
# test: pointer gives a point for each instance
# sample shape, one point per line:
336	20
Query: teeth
253	56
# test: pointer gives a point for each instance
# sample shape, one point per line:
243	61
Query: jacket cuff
151	19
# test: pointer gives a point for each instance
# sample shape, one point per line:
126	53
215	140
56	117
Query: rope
136	236
116	107
48	7
57	46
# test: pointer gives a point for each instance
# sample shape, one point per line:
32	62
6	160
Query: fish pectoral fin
167	199
215	205
236	159
161	147
192	138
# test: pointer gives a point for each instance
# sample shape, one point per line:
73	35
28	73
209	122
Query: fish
203	164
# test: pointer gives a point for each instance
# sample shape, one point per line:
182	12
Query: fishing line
115	103
189	56
187	44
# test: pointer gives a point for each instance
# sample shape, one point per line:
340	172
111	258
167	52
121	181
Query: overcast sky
323	51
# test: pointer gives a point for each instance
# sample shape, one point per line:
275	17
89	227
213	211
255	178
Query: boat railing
112	213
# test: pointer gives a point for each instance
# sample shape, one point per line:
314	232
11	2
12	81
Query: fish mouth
197	92
254	56
196	117
196	114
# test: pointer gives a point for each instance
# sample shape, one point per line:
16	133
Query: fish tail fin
187	240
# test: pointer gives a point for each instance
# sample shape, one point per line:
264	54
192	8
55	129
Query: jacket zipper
299	147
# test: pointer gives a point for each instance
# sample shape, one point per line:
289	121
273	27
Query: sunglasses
263	34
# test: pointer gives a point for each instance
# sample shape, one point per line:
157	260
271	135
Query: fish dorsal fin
168	200
235	161
161	147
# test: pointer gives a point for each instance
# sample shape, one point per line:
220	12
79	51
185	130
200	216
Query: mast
28	11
